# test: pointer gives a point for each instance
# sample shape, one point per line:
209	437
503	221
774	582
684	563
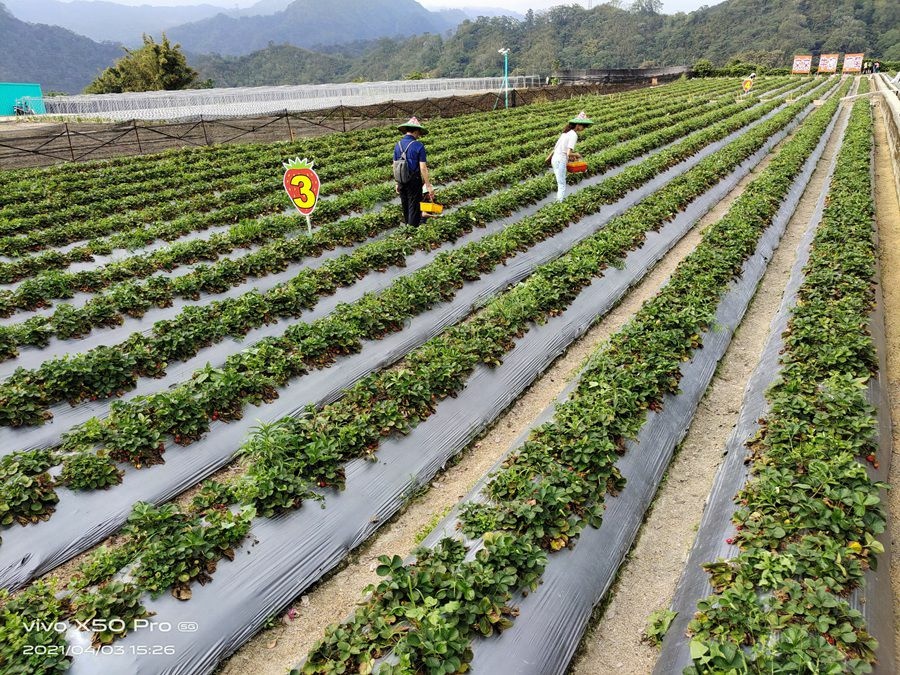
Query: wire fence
246	101
76	142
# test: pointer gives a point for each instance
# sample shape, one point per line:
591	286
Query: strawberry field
206	411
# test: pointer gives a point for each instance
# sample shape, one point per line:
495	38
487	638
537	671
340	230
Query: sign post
852	63
802	64
746	86
302	185
828	63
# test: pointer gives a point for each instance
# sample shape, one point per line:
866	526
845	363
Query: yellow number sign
302	184
305	198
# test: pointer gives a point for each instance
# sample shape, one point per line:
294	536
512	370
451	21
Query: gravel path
887	214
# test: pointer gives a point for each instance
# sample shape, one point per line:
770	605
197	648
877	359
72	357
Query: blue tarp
11	94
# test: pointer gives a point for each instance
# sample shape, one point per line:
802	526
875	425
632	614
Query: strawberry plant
658	625
133	436
188	550
89	471
29	641
111	611
27	492
101	565
181	415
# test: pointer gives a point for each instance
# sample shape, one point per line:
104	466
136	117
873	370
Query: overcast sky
521	6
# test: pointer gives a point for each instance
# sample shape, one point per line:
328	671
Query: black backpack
402	174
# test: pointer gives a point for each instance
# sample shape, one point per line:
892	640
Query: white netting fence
242	101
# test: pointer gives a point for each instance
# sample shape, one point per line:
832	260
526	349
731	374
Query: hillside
308	23
281	64
760	31
35	52
766	32
763	31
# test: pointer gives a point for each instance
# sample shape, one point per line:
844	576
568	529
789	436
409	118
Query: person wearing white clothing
564	151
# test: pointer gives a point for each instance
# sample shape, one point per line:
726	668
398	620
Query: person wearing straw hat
411	170
564	150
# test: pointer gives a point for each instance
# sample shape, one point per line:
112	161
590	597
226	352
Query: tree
703	68
646	6
153	67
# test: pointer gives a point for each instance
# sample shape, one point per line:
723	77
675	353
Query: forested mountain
766	32
281	64
763	31
308	23
56	58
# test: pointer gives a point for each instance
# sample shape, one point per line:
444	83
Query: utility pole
505	52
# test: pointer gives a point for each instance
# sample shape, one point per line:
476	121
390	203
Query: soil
647	579
276	650
887	215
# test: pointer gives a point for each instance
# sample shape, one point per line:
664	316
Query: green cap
413	123
581	118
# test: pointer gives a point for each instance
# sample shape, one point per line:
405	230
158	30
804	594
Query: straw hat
413	123
582	119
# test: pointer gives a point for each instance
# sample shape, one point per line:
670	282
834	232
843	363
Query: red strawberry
302	184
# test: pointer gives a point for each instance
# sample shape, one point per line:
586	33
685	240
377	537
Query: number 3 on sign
307	198
301	184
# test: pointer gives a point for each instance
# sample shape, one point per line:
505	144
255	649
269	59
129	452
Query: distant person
876	67
409	152
564	151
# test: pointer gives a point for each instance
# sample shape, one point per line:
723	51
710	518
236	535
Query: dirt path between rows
276	650
887	215
648	577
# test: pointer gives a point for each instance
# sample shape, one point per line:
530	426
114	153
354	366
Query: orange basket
576	167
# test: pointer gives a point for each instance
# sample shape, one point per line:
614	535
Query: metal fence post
203	124
69	138
137	136
287	116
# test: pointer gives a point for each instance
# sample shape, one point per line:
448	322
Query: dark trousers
410	196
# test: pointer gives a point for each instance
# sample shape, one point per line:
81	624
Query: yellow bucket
430	207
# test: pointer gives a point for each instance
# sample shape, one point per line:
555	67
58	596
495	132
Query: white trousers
559	170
